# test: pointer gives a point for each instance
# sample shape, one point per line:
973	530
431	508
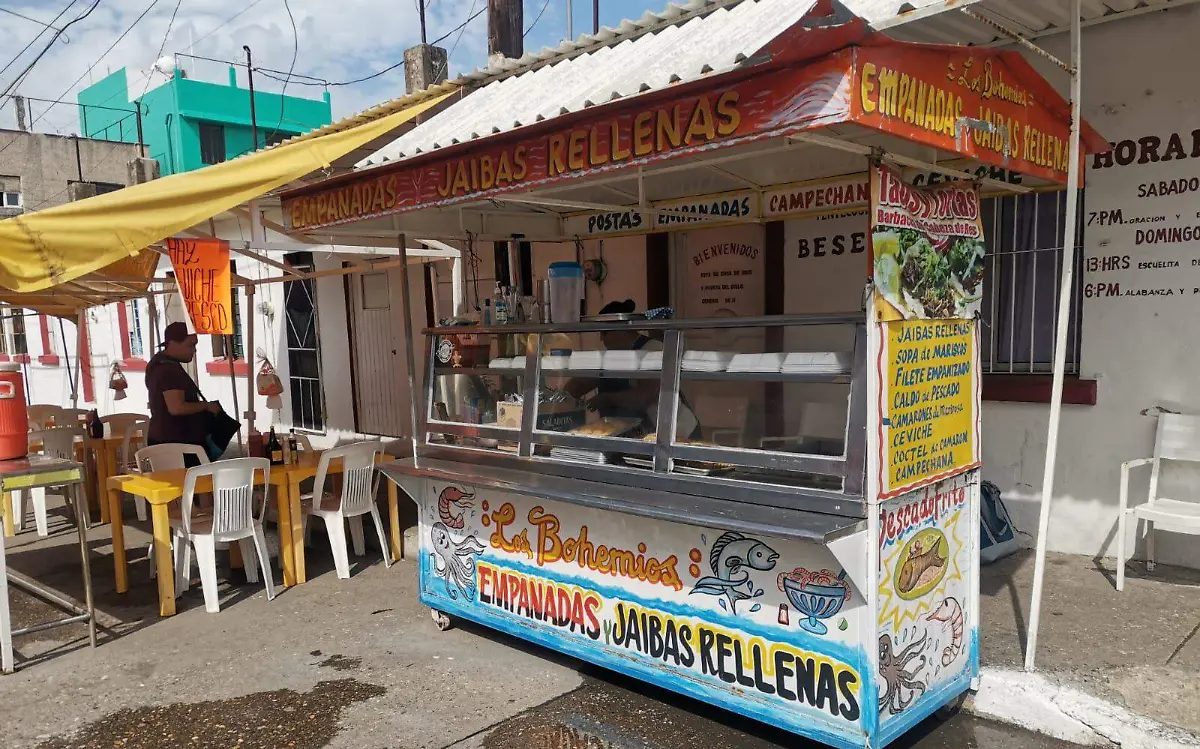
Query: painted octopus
898	676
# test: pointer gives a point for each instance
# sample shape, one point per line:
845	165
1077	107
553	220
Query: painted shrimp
951	612
454	497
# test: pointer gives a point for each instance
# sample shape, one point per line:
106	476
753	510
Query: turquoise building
188	124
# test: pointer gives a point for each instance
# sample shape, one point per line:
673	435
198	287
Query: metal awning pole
1060	345
229	358
410	361
80	333
62	331
249	355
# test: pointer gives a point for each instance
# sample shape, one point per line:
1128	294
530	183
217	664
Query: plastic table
25	474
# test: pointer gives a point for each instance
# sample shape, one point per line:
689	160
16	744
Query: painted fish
917	563
453	496
951	612
454	561
731	557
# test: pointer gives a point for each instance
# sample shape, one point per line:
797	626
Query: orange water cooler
14	413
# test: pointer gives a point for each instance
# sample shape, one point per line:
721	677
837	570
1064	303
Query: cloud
338	40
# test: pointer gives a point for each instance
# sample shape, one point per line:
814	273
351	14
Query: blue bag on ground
997	537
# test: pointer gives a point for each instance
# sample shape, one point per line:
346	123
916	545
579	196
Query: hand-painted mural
925	552
689	608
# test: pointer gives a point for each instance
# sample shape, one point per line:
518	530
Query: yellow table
161	488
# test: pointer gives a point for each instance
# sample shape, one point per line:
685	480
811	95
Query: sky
336	41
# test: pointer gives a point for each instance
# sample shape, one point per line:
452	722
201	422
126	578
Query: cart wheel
441	619
951	708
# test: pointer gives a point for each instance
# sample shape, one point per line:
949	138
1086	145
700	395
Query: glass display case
768	411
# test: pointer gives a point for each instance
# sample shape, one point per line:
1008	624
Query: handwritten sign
928	407
202	270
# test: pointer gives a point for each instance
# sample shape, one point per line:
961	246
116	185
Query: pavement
358	663
1112	668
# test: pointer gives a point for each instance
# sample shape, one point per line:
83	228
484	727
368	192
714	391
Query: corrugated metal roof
683	43
939	22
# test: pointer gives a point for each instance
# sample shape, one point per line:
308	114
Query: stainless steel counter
723	514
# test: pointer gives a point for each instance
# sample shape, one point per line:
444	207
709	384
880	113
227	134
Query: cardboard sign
205	282
927	248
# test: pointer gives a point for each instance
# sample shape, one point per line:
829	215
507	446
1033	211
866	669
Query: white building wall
1137	82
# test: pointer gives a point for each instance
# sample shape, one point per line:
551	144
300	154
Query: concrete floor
358	663
1138	647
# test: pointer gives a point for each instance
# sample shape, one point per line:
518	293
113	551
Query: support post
249	353
1060	344
233	386
62	331
506	37
80	323
410	363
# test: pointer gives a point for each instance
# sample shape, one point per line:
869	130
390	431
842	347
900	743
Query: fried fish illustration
917	563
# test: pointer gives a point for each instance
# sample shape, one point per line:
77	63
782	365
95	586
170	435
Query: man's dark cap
176	332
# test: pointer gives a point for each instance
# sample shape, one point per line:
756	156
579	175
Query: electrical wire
161	47
291	69
535	20
274	74
24	49
17	81
27	18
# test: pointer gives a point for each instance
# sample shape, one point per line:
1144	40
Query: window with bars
235	350
136	345
20	341
1025	236
304	347
212	143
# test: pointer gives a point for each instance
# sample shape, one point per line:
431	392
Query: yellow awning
60	244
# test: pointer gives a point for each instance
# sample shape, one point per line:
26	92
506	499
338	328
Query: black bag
221	430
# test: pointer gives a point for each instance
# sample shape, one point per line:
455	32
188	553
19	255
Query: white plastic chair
58	442
134	434
356	498
72	417
169	456
1177	438
232	519
44	416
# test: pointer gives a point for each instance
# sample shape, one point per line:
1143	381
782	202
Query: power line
315	81
17	80
112	46
539	17
291	69
27	18
24	49
161	47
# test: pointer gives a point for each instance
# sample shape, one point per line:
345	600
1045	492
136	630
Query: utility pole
570	21
595	16
250	78
421	15
506	33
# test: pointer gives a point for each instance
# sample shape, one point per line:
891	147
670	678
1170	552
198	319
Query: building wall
173	110
47	164
1137	347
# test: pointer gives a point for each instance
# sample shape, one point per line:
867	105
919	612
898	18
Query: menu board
927	403
723	274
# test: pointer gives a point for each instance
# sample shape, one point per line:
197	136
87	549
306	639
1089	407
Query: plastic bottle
487	312
501	307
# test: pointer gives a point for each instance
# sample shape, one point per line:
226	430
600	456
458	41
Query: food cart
829	587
